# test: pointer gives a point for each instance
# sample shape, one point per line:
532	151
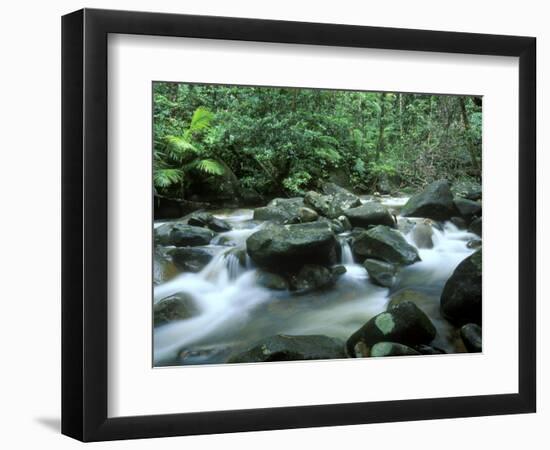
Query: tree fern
164	178
179	147
209	166
200	121
328	154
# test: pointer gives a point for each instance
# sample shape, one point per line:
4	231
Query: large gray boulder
284	248
370	214
404	323
434	202
312	277
461	296
205	219
164	268
176	307
282	210
380	272
471	336
470	190
187	235
191	259
468	209
386	244
284	347
391	349
476	226
334	204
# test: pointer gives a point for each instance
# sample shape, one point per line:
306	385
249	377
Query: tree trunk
469	143
380	146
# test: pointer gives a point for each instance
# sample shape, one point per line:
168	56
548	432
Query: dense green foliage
283	141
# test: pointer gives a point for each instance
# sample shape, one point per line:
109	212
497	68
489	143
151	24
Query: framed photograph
273	224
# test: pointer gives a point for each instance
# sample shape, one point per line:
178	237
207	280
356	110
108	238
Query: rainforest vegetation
302	224
250	143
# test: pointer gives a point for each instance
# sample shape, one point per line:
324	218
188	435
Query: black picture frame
84	224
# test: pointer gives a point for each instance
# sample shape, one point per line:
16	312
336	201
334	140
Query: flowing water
234	311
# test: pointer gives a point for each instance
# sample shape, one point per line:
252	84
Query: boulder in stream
471	336
404	323
191	259
286	248
385	243
461	296
284	347
334	204
372	213
391	349
271	280
470	190
205	219
281	210
176	307
380	272
312	277
434	202
164	268
422	234
475	226
187	235
468	209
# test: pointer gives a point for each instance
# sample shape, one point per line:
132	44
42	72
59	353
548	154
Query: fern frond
209	166
178	147
201	120
163	178
328	154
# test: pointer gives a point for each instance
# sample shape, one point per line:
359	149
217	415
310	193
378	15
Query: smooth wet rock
405	225
424	349
475	226
461	296
312	277
332	205
380	272
471	336
345	223
387	244
176	307
334	224
199	219
164	268
338	271
285	248
468	209
459	222
161	234
187	235
404	323
470	190
422	234
474	243
434	202
272	280
191	259
284	347
281	210
391	349
219	225
369	214
307	215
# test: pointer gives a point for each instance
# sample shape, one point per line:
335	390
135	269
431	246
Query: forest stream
232	309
